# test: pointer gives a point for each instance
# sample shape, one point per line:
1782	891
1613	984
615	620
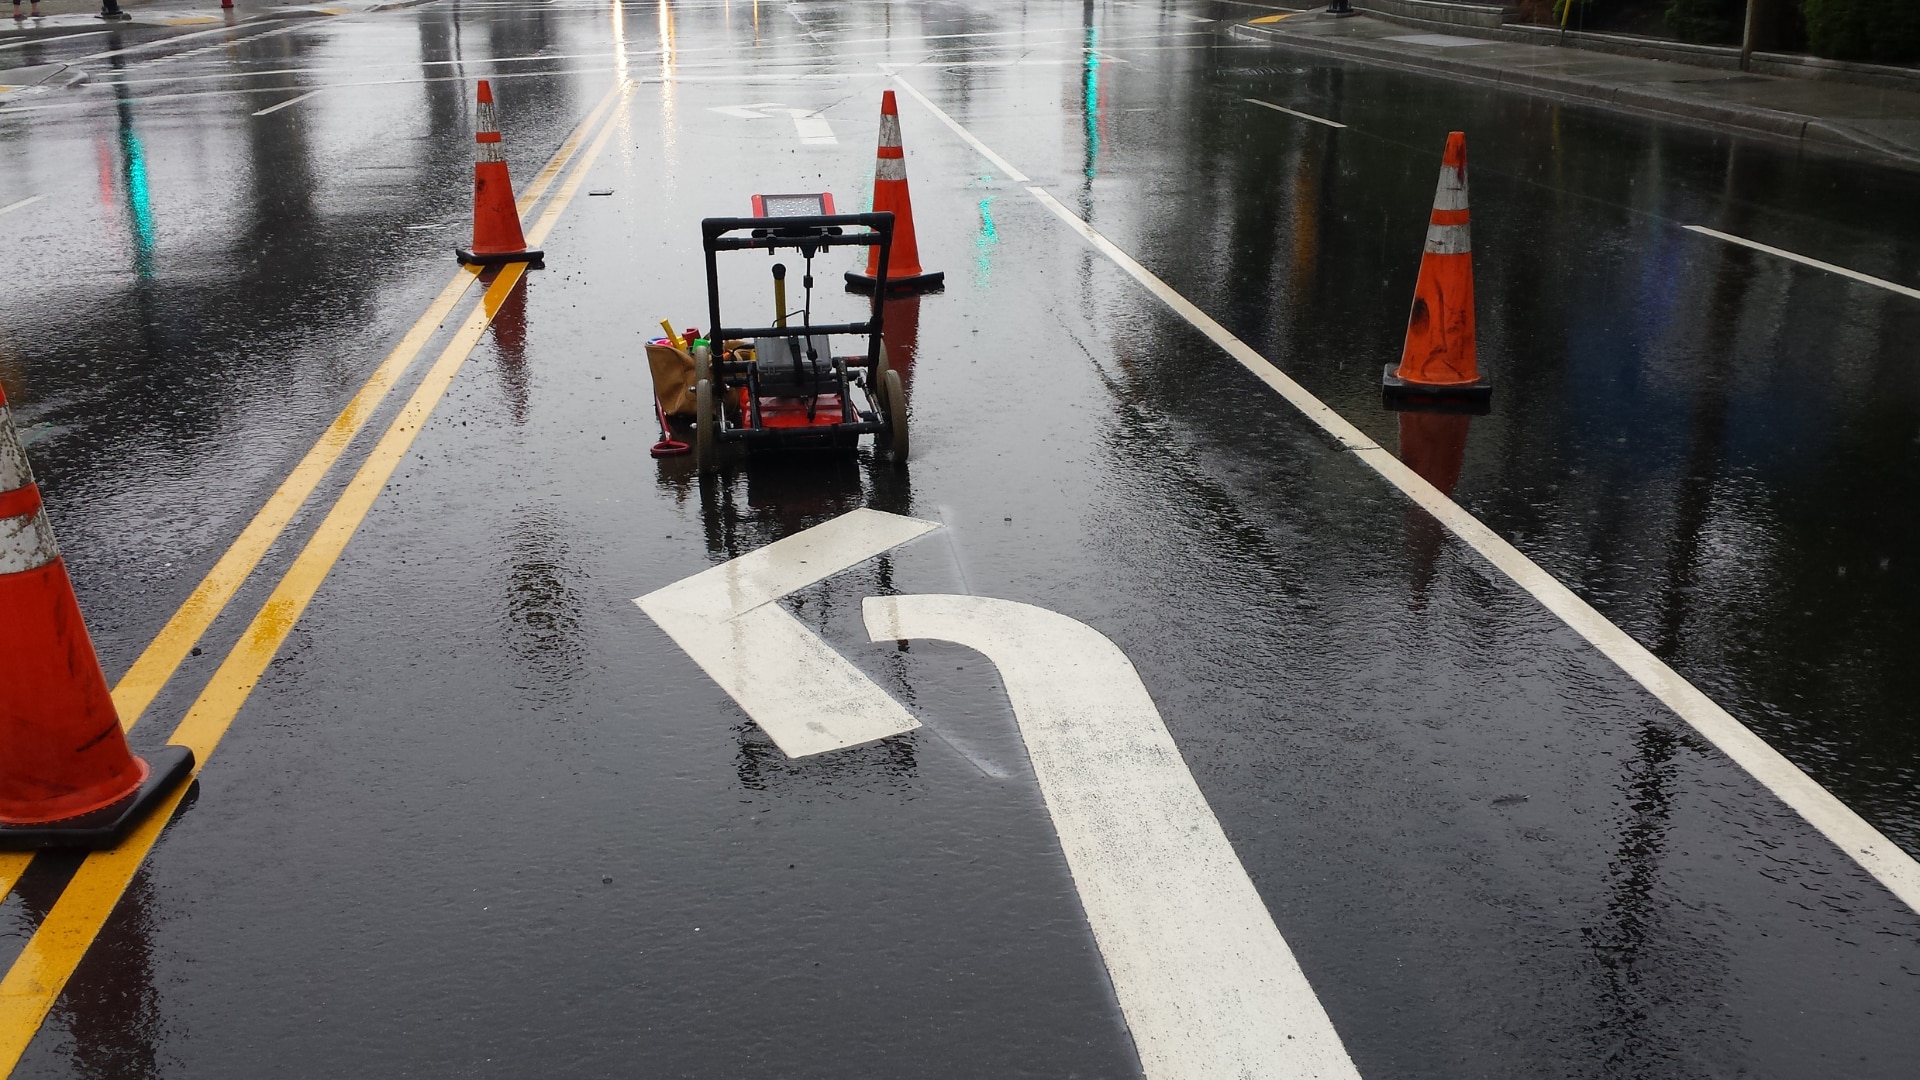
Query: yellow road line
169	648
35	981
176	639
155	665
563	155
37	977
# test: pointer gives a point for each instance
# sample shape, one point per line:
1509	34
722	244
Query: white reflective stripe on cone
14	470
889	130
1450	239
890	168
1452	193
26	543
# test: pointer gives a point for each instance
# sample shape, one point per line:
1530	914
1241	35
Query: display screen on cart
809	205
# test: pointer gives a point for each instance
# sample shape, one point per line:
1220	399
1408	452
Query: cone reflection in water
900	328
67	777
1440	356
497	237
890	195
1434	445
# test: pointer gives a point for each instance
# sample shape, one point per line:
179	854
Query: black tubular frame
808	235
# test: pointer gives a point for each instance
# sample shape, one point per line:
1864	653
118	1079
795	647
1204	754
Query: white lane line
1294	112
803	694
1803	260
967	136
28	201
63	37
289	101
175	39
1851	833
147	99
1208	986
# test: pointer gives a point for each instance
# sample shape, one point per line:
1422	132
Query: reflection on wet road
479	815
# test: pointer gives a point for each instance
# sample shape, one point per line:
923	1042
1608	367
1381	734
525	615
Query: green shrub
1714	21
1886	31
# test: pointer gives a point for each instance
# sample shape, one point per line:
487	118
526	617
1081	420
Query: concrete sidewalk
1831	117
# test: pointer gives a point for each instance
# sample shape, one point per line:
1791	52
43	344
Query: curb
1717	57
1801	130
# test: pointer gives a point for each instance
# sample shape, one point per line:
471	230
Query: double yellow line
29	989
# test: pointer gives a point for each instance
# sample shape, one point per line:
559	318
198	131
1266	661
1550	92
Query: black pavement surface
483	818
1859	120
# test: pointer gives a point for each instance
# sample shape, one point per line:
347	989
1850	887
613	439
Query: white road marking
967	136
63	37
28	201
175	39
255	90
1208	986
813	129
1803	260
289	101
1293	112
1851	833
745	112
805	696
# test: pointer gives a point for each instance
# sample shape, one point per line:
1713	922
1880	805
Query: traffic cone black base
533	257
98	830
1400	395
935	281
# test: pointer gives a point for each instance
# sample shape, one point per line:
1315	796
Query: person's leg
16	10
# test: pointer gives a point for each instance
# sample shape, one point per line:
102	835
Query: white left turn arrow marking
747	112
803	694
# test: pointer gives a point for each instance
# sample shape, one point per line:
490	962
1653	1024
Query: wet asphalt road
483	818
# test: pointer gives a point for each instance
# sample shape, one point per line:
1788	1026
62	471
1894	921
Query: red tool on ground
668	446
67	778
1439	363
497	237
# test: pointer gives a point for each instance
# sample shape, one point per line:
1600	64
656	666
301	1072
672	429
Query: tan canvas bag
672	378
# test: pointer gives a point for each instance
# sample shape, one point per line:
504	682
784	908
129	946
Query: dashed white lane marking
805	696
28	201
1208	986
1866	845
813	129
1804	261
1294	112
289	101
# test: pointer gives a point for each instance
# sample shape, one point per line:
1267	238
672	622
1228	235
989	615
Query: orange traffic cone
890	195
67	778
1438	363
496	220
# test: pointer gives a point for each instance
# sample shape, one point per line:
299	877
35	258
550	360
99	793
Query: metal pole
1746	35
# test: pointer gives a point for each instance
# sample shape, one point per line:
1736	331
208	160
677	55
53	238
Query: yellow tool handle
671	336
